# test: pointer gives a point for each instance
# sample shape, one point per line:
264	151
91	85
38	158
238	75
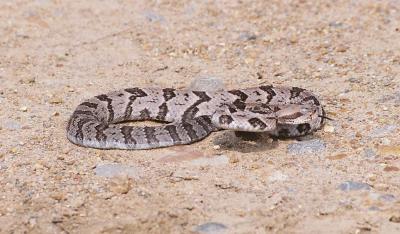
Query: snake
188	116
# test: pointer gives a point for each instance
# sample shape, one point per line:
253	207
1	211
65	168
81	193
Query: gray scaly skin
191	115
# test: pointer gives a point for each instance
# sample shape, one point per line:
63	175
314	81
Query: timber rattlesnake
190	116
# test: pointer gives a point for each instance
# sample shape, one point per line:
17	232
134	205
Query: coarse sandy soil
342	179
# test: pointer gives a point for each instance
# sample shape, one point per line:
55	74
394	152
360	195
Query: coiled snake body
190	116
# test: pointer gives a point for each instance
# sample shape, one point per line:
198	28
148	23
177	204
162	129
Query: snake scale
190	116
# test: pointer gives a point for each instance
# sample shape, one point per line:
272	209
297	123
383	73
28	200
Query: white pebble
206	83
385	141
329	128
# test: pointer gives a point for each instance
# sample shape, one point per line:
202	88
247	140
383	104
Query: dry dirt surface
342	179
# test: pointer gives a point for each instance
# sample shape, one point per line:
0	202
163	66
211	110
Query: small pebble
306	147
14	150
387	198
335	24
385	141
211	228
29	80
154	17
55	100
225	185
185	175
369	153
206	83
352	186
247	36
23	109
329	128
12	125
341	48
58	196
57	219
234	159
353	80
294	39
216	147
337	156
383	131
32	222
372	177
395	219
277	176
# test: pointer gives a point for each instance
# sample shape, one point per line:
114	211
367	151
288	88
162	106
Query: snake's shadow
245	142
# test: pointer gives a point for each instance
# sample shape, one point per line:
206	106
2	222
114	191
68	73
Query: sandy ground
343	179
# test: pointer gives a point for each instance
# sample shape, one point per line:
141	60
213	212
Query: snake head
296	114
